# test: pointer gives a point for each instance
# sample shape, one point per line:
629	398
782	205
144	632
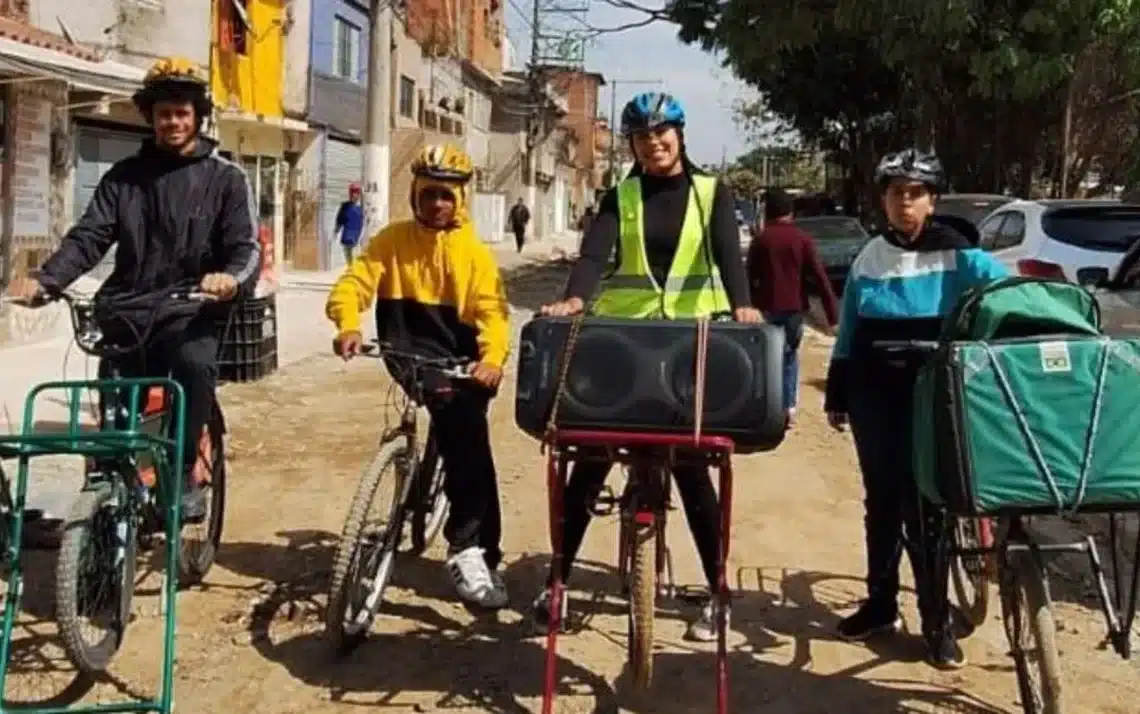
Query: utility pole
614	128
535	117
377	130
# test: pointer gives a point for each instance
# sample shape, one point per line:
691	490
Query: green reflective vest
693	288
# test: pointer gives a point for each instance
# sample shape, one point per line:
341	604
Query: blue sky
653	52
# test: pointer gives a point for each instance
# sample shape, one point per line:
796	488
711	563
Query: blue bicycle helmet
651	110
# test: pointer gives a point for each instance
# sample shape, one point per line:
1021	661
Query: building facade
247	78
47	81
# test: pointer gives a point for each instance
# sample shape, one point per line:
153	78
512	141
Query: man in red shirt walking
782	263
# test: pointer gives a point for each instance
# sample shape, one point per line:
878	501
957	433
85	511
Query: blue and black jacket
901	291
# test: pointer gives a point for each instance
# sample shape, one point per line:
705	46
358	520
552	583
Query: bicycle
1015	560
644	563
366	554
140	430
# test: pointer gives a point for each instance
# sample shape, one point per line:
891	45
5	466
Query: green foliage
984	81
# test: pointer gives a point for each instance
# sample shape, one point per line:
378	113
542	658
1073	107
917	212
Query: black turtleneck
665	200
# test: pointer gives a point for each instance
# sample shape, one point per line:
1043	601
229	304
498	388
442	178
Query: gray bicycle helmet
912	165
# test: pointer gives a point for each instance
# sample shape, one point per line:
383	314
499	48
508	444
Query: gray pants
349	251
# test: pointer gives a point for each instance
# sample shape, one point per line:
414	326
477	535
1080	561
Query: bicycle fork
645	502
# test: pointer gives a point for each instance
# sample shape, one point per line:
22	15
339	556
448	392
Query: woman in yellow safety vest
678	244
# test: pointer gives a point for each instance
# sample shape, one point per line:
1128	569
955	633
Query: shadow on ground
496	663
536	282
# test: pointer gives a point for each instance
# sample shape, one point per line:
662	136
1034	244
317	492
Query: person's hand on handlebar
27	290
748	315
486	374
348	344
837	420
223	286
563	308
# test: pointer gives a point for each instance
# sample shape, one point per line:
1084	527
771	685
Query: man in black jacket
178	215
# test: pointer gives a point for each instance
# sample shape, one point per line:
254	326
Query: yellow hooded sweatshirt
440	290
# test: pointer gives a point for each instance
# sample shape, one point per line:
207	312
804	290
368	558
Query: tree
987	83
745	184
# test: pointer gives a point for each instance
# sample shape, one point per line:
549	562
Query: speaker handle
722	316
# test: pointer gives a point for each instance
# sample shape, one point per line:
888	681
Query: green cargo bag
1026	407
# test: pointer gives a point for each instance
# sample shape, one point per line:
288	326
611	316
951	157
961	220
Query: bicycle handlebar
906	345
450	367
88	335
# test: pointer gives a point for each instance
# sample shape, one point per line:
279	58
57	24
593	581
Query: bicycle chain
563	374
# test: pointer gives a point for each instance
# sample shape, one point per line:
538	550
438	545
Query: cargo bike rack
115	503
643	558
1002	548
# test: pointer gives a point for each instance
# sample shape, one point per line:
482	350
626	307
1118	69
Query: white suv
1056	238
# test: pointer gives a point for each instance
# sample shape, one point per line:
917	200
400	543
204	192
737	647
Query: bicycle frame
1013	534
647	499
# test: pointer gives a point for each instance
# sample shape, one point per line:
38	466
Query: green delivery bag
1030	425
1026	407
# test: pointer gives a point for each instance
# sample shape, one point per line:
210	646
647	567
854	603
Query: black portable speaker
639	375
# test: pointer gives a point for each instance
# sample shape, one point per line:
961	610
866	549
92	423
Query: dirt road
250	639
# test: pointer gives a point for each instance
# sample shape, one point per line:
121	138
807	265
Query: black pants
881	407
698	497
520	236
472	486
186	348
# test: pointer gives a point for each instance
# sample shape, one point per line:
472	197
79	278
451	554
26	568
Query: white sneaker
474	581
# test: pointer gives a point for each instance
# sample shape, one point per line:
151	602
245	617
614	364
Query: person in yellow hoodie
438	292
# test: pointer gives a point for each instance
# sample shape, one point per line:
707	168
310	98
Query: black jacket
173	218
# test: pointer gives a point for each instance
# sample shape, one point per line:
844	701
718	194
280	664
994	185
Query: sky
706	90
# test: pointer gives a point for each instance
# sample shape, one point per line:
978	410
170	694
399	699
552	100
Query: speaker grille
728	376
603	372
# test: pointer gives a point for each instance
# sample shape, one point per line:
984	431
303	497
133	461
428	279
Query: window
346	50
989	231
1012	232
407	97
234	26
1107	228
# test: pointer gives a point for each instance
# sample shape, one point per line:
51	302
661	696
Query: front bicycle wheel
365	557
431	506
95	577
970	572
642	600
200	541
1032	633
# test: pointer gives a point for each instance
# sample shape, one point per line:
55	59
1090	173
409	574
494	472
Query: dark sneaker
540	611
194	505
943	651
869	620
703	629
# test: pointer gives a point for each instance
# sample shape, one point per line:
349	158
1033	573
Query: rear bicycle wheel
200	541
430	510
970	573
365	557
642	600
1032	634
95	577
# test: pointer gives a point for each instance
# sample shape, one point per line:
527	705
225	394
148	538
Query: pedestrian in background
519	218
782	262
350	223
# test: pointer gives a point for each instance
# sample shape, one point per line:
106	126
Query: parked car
1118	294
838	240
1057	237
971	206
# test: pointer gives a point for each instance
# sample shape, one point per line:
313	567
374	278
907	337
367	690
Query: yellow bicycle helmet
443	162
177	70
175	79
